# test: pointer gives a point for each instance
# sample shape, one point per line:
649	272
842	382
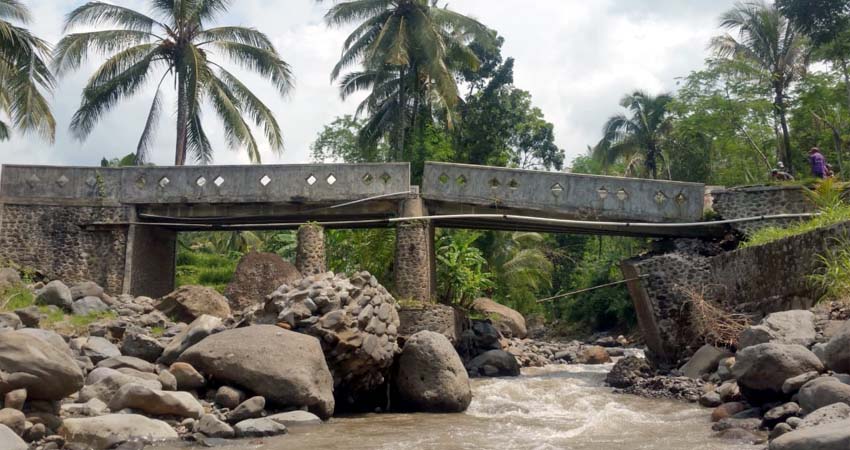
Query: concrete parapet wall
570	195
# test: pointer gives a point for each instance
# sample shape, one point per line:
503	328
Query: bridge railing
206	184
573	195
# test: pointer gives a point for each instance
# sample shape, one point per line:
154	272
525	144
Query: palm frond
355	10
74	48
228	107
240	35
151	123
100	13
15	10
256	109
266	63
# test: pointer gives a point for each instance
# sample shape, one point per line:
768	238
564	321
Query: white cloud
576	57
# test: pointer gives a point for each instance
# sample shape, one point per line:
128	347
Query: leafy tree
338	142
372	250
24	75
179	46
820	115
521	269
461	273
637	138
770	43
409	51
722	123
126	161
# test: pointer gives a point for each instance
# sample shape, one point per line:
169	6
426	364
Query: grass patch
16	297
204	269
833	277
157	331
827	218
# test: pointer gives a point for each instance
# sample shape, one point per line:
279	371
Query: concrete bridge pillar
415	265
310	257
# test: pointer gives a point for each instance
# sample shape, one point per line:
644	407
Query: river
556	407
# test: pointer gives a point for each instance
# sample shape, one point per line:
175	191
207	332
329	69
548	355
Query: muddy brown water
555	407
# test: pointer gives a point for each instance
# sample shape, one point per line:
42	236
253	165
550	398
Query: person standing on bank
818	163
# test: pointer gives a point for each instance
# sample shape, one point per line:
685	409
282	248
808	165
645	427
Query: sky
576	57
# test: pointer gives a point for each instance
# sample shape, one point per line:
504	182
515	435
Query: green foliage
373	250
828	196
461	273
140	49
16	297
126	161
521	269
338	142
833	277
25	78
200	263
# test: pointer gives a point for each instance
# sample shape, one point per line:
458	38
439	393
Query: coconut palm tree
772	45
409	51
636	138
179	46
24	75
521	268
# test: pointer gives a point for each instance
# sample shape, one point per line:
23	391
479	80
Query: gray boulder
836	412
10	322
792	385
156	402
10	440
494	363
832	436
786	327
187	377
86	289
822	392
509	322
199	329
55	293
118	362
255	428
9	277
431	376
103	383
762	369
229	397
51	337
209	425
33	364
296	419
705	360
13	419
628	371
100	433
837	350
188	303
249	409
89	305
98	349
257	275
285	367
141	346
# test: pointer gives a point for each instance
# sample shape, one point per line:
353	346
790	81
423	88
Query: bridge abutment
150	261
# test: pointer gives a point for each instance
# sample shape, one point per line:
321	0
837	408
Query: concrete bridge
118	226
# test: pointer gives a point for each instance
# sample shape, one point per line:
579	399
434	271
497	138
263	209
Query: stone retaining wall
51	239
441	319
754	280
310	256
413	261
738	203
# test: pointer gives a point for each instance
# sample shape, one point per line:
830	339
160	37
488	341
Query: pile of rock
788	382
355	319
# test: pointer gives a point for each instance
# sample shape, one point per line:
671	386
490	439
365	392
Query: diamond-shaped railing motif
33	180
385	177
311	180
495	183
513	184
91	181
602	192
622	195
218	181
557	188
331	179
163	182
681	199
444	178
660	198
265	180
201	181
461	180
368	179
62	181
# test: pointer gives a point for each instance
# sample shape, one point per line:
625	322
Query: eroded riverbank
554	407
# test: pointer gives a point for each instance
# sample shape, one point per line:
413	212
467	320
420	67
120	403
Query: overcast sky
576	57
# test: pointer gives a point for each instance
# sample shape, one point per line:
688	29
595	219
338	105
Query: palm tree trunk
401	111
779	104
182	122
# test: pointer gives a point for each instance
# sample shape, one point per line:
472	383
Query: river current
555	407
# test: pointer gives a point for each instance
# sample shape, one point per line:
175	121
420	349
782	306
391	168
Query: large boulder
9	277
431	376
156	402
86	289
285	367
55	293
103	383
197	331
355	319
494	363
822	392
257	275
762	369
510	322
188	303
89	305
51	337
837	351
786	327
28	362
9	440
99	433
628	371
705	360
831	436
835	412
138	344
